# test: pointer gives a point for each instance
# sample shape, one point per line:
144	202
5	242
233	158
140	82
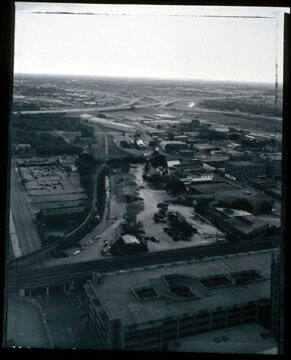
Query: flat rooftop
233	213
248	227
45	184
131	311
242	339
242	193
204	146
213	187
243	163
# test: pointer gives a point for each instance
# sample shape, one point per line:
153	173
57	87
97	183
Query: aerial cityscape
145	214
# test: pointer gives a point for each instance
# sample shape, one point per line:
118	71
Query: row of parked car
86	243
152	238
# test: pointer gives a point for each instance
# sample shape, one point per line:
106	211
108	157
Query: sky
179	42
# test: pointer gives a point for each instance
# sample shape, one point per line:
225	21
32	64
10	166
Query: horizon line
150	78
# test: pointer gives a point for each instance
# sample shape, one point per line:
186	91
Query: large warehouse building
161	303
53	189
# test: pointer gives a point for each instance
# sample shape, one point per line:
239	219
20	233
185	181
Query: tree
175	185
158	159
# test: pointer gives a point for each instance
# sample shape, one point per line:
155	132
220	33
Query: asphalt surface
22	215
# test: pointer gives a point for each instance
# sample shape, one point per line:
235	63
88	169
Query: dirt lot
206	234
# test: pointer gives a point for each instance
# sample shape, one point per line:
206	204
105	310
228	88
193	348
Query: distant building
21	147
173	145
186	153
145	309
204	147
197	177
140	144
210	189
273	164
244	169
216	161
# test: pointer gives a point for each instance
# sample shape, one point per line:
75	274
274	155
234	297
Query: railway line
60	274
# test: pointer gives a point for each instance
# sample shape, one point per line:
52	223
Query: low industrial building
210	189
238	223
204	147
255	198
216	161
145	308
244	169
127	244
173	145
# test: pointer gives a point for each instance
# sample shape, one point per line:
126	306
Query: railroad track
60	274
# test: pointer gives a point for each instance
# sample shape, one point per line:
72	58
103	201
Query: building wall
156	334
251	170
274	167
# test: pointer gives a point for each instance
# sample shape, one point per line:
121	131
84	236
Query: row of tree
250	107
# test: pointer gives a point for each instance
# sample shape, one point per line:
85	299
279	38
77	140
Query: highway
59	274
234	113
94	109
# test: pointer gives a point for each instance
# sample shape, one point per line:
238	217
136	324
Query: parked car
77	252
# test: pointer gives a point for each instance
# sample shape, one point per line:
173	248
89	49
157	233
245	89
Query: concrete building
277	298
244	169
144	309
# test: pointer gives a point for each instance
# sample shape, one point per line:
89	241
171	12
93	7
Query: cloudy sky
191	42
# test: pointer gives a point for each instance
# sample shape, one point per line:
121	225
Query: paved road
23	220
70	110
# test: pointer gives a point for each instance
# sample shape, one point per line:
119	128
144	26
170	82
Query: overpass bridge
68	276
127	106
